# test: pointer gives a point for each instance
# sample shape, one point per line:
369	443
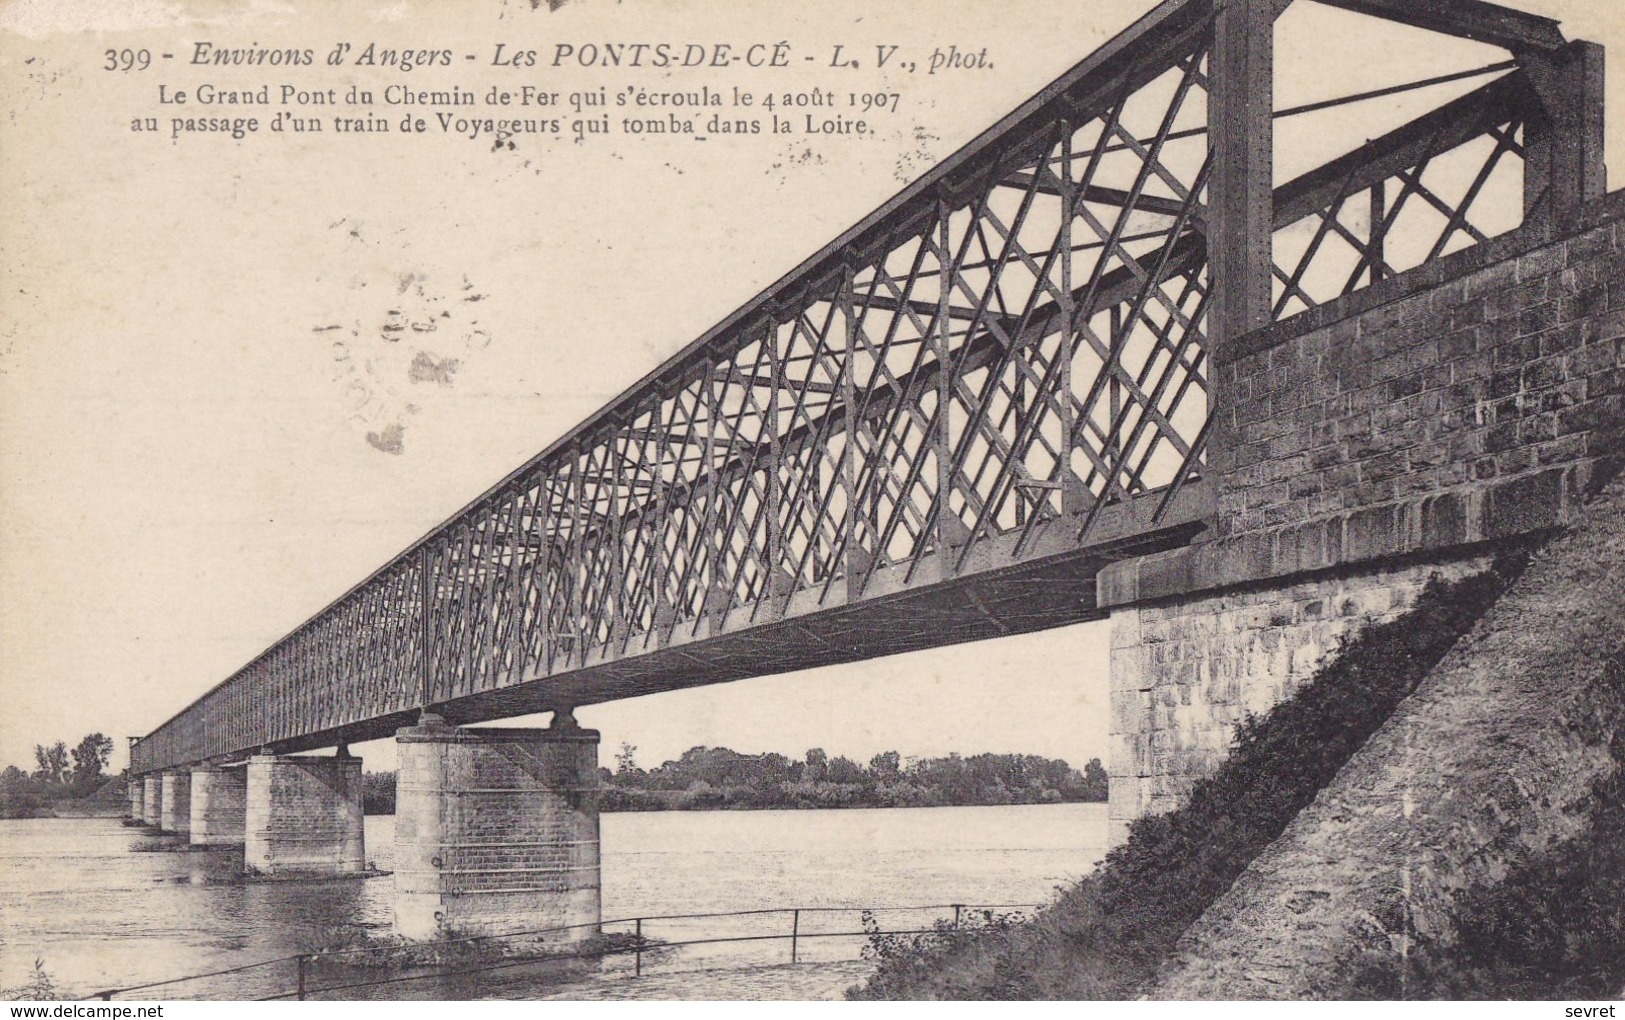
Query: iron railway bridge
942	425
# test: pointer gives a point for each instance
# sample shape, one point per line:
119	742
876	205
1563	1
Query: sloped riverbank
1437	813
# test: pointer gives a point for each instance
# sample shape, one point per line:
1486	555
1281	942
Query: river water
106	906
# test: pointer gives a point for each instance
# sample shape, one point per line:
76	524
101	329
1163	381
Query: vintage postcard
654	499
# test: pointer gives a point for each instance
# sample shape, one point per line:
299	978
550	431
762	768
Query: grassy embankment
1105	936
1554	926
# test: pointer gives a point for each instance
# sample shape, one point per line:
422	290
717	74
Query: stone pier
219	800
496	830
133	788
152	799
176	815
1186	672
302	816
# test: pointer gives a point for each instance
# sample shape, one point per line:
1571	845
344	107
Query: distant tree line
60	774
716	778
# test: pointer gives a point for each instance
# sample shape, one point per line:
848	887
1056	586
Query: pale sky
185	465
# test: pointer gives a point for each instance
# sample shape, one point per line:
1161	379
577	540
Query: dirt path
787	982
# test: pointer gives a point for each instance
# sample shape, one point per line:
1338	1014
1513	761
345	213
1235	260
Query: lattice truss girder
1446	182
1006	354
1025	351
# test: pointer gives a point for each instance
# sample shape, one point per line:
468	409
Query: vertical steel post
574	552
1563	138
637	950
1070	483
300	960
516	590
711	599
1240	247
778	555
1377	254
1241	69
424	628
852	553
795	934
942	435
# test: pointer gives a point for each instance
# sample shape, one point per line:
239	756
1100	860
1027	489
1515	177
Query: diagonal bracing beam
1509	29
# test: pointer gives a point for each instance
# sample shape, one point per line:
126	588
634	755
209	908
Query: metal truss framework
1004	369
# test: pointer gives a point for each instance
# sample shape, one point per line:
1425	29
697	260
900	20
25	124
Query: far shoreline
57	814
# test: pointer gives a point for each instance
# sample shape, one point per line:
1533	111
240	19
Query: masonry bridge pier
1099	364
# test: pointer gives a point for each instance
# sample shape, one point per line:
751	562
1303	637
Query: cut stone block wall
1184	673
1469	401
177	810
496	830
303	816
152	799
219	801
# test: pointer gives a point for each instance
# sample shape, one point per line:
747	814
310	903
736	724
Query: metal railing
435	961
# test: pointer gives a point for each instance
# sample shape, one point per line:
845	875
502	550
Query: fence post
959	910
301	962
795	933
106	996
637	951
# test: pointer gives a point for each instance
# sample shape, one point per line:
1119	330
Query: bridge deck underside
1041	594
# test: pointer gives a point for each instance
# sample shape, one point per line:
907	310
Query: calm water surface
105	906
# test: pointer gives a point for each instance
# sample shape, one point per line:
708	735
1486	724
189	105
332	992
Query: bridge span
1099	362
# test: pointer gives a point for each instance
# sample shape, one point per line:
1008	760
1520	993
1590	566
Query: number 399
128	60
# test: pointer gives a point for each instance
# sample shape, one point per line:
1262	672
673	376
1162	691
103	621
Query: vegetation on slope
1554	927
1105	936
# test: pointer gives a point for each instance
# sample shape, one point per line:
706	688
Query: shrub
378	793
38	988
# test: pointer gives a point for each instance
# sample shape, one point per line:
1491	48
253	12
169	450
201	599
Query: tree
90	758
886	766
1095	781
378	793
817	763
844	770
19	795
627	760
53	763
